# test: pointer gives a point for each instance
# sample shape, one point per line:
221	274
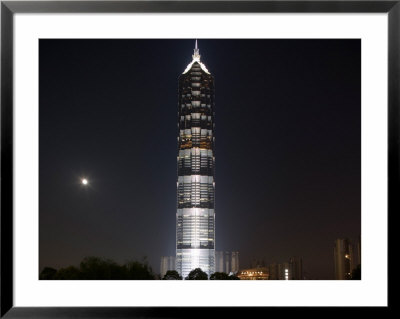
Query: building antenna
196	52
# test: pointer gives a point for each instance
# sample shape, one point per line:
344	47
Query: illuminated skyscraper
195	217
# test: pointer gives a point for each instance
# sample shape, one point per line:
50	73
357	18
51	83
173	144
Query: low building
259	273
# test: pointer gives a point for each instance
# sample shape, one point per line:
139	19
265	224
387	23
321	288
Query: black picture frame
9	8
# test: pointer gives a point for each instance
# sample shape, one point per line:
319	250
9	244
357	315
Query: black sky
288	148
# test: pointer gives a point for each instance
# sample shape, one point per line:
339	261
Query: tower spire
196	52
196	58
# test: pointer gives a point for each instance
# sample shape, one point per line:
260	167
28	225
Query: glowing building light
196	58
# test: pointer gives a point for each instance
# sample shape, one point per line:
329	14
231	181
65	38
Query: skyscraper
195	217
343	258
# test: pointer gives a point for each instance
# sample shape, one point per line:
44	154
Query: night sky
288	148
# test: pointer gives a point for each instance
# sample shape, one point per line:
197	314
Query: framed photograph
252	145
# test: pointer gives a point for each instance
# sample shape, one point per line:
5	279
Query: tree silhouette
234	277
223	276
139	271
197	274
69	273
219	276
172	275
47	273
96	268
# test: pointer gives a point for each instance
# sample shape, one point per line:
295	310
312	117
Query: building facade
343	254
167	263
195	217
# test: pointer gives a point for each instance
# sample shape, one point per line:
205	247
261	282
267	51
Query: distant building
291	270
235	262
273	271
219	261
259	273
344	258
347	256
284	271
167	263
296	268
226	261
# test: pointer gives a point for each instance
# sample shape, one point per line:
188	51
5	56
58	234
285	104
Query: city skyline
288	130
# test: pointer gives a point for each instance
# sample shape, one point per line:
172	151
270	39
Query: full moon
84	181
